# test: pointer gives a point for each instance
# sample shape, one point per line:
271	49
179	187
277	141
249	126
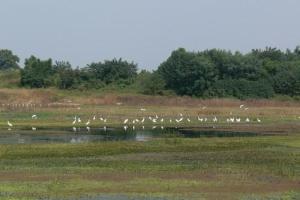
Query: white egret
78	120
94	118
33	128
74	129
162	128
258	120
162	120
125	128
34	116
133	128
247	120
143	120
74	122
125	121
105	128
143	109
9	124
215	119
238	120
241	106
88	129
188	120
88	123
179	120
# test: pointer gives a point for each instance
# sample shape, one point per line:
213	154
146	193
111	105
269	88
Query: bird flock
157	122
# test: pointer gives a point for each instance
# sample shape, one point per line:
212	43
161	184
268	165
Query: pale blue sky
145	31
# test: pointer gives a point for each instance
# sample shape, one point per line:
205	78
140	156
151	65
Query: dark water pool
101	135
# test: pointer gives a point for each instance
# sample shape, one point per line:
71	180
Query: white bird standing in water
74	129
125	121
258	120
34	116
88	122
33	128
125	128
78	120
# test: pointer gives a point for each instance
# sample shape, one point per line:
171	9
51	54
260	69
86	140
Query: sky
143	31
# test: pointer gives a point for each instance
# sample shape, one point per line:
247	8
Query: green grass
235	168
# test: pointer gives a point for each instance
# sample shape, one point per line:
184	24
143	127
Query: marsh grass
169	166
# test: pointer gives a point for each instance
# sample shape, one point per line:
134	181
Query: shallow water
111	134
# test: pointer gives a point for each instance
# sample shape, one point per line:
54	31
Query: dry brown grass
56	97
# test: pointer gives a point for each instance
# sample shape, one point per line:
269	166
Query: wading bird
75	119
9	124
215	119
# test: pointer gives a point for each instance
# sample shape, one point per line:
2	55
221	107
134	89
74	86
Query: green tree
151	83
64	77
112	71
37	73
188	73
8	60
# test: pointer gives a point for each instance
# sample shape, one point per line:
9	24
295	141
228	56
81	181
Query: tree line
261	73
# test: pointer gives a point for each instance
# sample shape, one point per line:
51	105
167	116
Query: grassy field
174	168
247	168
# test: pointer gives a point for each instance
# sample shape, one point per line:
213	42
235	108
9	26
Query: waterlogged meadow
166	168
194	160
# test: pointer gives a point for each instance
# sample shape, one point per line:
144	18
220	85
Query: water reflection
100	135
